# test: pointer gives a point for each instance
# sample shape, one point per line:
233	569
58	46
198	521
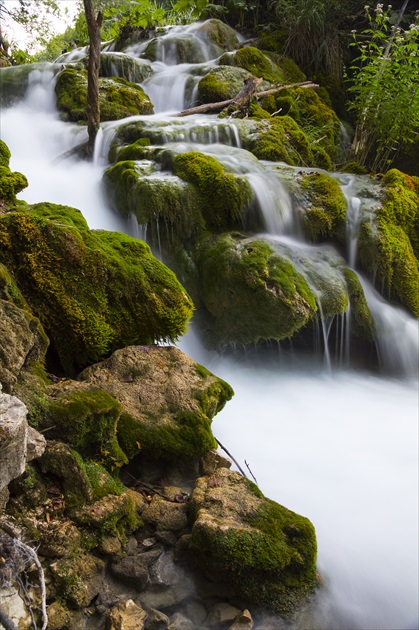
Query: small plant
385	88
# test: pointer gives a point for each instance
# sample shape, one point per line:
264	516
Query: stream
335	444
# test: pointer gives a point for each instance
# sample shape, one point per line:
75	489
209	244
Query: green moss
324	207
281	140
11	183
353	167
213	89
92	291
249	292
4	154
361	321
272	563
389	247
101	481
253	60
223	197
86	419
118	98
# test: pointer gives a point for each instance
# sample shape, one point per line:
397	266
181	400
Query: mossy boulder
113	515
254	61
315	117
118	98
221	84
223	197
323	207
282	140
389	243
78	580
265	552
249	292
199	195
93	291
218	33
4	154
168	401
133	70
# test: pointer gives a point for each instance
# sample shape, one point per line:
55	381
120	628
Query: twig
248	468
233	458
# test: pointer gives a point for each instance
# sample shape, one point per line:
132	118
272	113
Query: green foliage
385	89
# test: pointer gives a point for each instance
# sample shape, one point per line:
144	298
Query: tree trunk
94	25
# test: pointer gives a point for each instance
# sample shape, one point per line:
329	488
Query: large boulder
168	400
118	98
249	292
93	291
221	84
263	550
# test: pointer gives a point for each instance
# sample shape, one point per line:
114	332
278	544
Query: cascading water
336	445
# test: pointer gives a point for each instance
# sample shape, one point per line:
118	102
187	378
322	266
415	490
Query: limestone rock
156	620
14	432
168	400
79	579
266	552
58	617
243	621
21	340
212	460
36	444
222	613
165	515
12	604
126	615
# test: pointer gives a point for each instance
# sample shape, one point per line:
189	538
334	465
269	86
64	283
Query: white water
340	448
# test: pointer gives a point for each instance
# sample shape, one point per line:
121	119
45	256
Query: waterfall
334	444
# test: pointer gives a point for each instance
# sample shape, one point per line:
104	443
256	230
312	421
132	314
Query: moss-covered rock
221	84
113	515
282	140
249	292
389	243
168	401
86	418
361	320
323	207
131	69
118	98
78	580
223	197
266	553
218	33
11	183
200	195
92	291
254	61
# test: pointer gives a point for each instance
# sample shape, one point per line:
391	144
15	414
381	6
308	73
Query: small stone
148	542
126	615
58	616
36	444
180	622
197	613
156	620
110	545
244	621
222	613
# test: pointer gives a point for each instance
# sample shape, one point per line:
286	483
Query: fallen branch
241	98
248	468
231	457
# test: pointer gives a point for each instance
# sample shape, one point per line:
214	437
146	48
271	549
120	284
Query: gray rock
165	515
36	444
212	460
180	622
197	613
131	571
156	620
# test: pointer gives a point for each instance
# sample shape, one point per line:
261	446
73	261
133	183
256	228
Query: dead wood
243	97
